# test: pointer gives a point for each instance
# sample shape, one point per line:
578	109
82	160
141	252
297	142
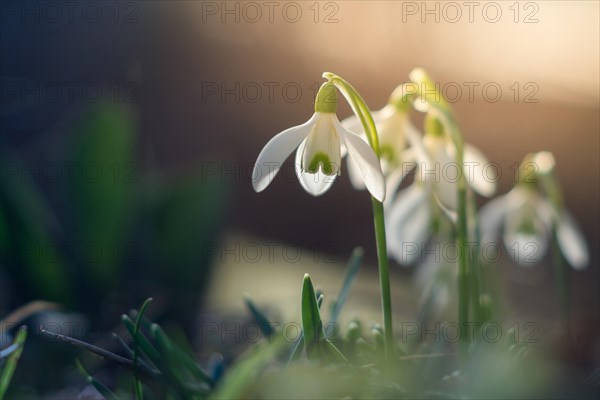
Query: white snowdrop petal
491	217
354	174
367	161
441	172
526	247
275	152
478	172
322	151
571	242
408	224
314	184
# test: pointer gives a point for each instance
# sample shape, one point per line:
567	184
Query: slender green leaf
147	347
312	326
11	362
244	373
102	201
171	368
91	348
178	356
8	351
261	319
100	387
299	343
145	364
139	393
351	271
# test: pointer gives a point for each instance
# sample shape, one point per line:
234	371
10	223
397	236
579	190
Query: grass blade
147	348
243	374
176	355
261	319
139	395
351	271
103	390
8	351
11	362
126	362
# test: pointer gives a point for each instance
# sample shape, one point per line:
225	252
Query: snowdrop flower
395	132
527	220
414	210
320	143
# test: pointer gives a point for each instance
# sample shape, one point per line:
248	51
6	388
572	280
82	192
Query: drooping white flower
526	220
412	212
395	132
319	145
441	171
409	223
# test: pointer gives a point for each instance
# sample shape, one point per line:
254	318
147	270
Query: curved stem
359	107
362	112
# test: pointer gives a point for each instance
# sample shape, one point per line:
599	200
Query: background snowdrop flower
408	223
441	171
527	219
413	211
319	144
395	132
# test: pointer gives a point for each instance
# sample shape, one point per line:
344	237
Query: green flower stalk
441	112
366	119
319	150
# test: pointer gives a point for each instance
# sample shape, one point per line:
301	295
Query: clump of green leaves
321	363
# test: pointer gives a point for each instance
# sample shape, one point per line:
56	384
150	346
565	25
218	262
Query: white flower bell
412	212
527	219
319	142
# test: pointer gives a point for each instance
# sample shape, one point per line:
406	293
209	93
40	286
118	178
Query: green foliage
12	355
107	222
349	364
27	225
101	199
101	388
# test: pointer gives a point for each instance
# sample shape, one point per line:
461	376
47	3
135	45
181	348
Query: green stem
474	261
384	278
562	281
461	239
362	112
442	109
463	268
554	193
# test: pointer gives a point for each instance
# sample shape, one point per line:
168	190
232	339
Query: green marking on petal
527	226
322	160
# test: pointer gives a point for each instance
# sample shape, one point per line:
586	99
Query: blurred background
128	132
